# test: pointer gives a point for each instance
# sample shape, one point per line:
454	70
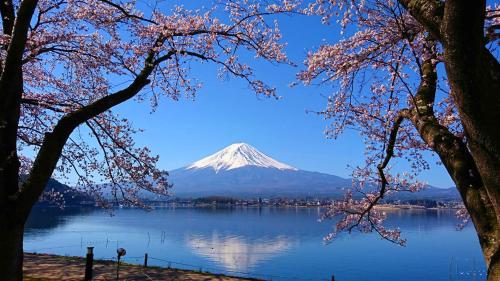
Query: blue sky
226	112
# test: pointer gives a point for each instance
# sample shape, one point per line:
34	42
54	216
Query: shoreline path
45	267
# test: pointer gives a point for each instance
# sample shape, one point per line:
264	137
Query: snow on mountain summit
238	155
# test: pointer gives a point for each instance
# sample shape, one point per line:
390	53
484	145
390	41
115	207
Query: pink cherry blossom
78	53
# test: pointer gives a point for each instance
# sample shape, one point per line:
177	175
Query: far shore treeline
71	197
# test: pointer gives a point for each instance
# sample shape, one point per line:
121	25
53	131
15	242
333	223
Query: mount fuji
241	170
236	156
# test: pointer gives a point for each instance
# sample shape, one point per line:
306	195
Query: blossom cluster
359	214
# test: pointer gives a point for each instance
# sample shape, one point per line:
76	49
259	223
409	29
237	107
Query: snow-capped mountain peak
238	155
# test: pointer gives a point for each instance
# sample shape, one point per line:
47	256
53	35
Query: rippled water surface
270	243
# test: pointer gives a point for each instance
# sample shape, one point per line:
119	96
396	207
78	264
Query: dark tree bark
11	88
11	245
474	77
16	200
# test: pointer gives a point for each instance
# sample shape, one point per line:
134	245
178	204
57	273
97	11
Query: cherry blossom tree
64	64
391	86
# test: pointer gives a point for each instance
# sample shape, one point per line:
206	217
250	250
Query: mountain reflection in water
237	253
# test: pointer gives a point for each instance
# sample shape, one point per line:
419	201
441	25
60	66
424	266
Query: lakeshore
46	267
228	202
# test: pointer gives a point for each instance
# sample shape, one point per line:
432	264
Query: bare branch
403	114
8	16
125	12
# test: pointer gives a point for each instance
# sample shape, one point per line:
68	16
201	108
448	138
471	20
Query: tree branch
15	50
403	114
428	12
8	16
54	141
127	13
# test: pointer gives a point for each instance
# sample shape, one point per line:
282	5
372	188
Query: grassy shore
44	267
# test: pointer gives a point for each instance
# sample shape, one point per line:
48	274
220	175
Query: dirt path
42	267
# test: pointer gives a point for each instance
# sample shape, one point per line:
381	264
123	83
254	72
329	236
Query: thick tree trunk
474	77
462	168
11	223
11	249
462	165
494	268
476	88
487	229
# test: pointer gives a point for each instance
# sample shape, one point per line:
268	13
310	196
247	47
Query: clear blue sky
225	112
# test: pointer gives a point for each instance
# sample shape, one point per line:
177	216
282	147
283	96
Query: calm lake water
270	243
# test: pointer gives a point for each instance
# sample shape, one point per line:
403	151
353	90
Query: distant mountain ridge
255	181
240	170
70	196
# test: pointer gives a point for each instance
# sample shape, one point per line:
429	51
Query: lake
268	243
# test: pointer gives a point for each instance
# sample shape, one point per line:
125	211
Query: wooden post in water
89	262
146	260
333	278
